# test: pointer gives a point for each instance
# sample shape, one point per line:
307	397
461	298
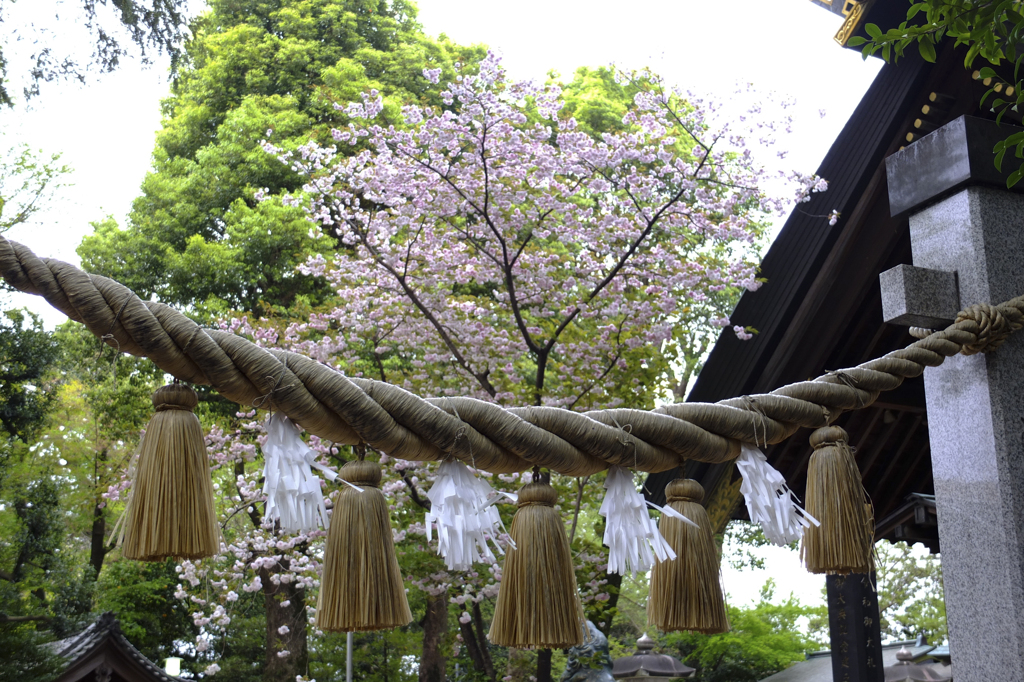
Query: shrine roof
818	666
102	649
820	309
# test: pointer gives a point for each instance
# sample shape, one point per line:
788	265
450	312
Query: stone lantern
645	664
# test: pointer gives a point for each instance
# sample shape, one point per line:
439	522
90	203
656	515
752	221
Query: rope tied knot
361	473
684	490
829	436
537	493
995	324
175	397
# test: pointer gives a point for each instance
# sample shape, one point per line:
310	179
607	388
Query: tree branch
580	484
410	293
4	618
482	211
413	493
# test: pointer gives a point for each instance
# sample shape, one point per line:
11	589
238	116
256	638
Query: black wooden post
854	628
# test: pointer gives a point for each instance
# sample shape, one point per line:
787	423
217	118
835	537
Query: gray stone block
957	155
919	297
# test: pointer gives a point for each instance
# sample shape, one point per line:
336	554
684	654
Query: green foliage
27	180
31	521
764	639
27	352
910	597
115	388
75	431
197	236
597	99
391	655
742	540
141	595
73	587
25	656
242	652
32	547
992	31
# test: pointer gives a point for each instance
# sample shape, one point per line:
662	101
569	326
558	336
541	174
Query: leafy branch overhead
147	26
991	31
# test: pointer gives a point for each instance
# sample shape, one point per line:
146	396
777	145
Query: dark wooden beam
898	407
896	458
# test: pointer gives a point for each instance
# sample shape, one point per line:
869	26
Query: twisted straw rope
499	440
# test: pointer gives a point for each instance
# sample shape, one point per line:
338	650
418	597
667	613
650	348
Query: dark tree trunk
544	665
97	550
481	638
286	668
435	625
472	646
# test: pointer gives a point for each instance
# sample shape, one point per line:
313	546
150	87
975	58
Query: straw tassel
836	497
361	587
538	601
171	511
686	593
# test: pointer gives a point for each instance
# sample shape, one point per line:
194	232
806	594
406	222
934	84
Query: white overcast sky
105	129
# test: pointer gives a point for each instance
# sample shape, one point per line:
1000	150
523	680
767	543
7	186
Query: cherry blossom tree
494	242
496	248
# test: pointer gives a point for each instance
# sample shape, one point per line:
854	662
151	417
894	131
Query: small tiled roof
818	666
103	644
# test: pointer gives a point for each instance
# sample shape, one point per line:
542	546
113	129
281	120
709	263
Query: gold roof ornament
854	12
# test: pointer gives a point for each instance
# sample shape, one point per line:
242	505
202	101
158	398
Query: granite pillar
976	429
975	404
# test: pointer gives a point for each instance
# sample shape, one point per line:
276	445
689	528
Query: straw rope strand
352	411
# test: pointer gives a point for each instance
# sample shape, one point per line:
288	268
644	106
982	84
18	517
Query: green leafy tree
27	181
197	235
764	639
141	594
71	418
27	353
31	522
910	597
104	404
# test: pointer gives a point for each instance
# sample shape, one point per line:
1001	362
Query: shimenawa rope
352	411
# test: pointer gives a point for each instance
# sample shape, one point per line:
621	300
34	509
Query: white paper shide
632	536
294	497
462	508
769	500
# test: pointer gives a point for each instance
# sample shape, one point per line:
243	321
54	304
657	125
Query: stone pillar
964	220
853	626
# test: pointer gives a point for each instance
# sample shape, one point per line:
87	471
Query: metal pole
348	657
